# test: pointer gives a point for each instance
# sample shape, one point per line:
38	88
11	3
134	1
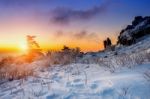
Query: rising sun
23	47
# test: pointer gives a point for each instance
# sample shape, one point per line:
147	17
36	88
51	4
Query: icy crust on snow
81	81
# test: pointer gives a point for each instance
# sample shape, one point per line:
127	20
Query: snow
86	80
81	81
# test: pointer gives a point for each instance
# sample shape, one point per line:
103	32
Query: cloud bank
63	15
81	35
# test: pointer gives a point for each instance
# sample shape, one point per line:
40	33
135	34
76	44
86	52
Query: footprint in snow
55	74
94	86
96	82
52	96
75	85
17	91
77	80
87	67
56	78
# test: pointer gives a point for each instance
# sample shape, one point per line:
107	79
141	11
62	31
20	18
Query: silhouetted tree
66	49
32	42
109	42
34	51
105	43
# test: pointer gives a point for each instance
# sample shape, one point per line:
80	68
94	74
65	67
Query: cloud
81	35
91	36
63	15
59	34
84	34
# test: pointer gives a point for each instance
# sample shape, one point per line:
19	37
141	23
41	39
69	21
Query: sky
75	23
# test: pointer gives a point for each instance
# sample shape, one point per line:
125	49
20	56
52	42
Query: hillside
125	75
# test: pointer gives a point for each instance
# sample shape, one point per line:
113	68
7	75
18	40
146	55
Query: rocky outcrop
139	28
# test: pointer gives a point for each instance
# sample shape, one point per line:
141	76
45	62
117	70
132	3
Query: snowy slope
142	46
81	81
89	80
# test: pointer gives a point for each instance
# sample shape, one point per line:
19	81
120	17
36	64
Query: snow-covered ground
94	80
81	81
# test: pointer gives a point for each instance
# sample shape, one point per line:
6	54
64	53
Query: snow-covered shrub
13	72
65	56
59	58
121	60
126	60
10	69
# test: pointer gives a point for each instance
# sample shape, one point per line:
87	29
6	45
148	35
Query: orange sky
17	42
13	37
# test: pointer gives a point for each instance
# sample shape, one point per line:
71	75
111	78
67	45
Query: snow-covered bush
122	60
65	56
126	60
10	69
13	72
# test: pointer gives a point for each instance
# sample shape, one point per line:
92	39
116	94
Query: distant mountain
132	33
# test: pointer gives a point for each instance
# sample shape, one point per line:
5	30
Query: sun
23	47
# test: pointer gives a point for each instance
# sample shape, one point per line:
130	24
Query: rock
139	28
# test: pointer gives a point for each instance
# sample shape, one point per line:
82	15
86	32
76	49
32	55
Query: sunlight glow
23	47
